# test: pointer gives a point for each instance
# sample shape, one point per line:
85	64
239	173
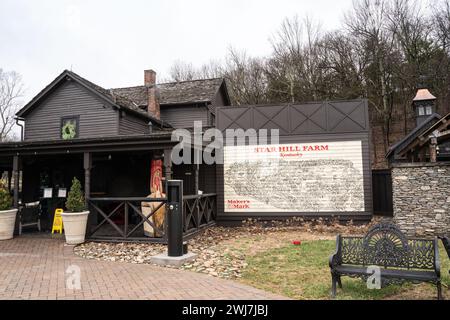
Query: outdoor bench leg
439	290
333	286
339	282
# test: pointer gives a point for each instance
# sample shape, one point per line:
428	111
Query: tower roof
423	95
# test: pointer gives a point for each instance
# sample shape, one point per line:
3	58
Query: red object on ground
297	242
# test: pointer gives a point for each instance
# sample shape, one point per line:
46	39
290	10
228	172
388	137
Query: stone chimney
152	94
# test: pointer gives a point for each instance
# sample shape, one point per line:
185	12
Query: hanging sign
57	221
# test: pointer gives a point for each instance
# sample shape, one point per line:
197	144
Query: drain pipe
20	125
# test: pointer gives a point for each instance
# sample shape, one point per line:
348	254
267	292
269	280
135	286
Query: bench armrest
335	258
437	260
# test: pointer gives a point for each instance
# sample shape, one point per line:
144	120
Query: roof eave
169	104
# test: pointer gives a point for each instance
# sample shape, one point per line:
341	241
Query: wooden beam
9	179
433	150
16	165
167	164
422	155
87	164
196	182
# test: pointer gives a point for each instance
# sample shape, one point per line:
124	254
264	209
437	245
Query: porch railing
121	208
199	212
124	217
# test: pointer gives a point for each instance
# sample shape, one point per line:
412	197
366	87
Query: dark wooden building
107	139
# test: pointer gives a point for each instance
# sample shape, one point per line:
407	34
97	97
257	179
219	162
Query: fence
122	219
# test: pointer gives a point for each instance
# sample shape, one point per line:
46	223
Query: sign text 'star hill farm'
291	148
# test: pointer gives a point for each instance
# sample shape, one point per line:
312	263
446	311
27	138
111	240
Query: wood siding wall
129	125
219	99
184	116
97	118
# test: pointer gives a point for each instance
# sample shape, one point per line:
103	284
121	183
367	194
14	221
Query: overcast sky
112	42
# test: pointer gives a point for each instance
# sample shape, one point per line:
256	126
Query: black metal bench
398	258
446	243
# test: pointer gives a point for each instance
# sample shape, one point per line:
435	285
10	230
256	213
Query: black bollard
175	218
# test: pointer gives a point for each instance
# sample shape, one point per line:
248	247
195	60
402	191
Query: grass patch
302	272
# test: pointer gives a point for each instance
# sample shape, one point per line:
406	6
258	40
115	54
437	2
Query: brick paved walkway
34	267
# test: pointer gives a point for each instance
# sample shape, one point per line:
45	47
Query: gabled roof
177	93
417	131
118	101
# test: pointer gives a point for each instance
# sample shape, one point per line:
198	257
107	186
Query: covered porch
115	173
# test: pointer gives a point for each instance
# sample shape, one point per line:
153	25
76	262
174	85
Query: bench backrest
446	242
386	246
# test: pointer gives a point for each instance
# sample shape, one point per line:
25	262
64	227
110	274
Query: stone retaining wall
421	196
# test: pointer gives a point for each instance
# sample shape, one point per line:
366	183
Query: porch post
9	179
167	164
196	184
15	174
87	163
433	149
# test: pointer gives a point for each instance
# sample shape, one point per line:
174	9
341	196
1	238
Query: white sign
48	192
305	177
62	192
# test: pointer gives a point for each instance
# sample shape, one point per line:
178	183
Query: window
428	110
69	127
421	111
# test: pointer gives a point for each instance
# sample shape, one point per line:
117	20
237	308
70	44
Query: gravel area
222	251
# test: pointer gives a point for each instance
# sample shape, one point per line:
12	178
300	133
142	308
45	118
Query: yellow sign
57	221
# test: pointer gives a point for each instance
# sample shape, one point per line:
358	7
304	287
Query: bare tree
368	24
294	73
183	71
344	63
11	90
246	78
441	23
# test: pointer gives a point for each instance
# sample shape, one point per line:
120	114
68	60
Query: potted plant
75	218
7	213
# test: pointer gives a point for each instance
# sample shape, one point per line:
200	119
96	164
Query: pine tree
75	198
5	197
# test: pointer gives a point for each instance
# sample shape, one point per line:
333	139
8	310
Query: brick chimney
152	94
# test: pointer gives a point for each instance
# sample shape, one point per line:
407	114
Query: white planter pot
7	222
75	226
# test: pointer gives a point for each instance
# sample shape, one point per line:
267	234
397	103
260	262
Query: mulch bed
222	251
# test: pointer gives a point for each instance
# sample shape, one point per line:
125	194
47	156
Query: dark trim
103	144
296	103
225	90
202	103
